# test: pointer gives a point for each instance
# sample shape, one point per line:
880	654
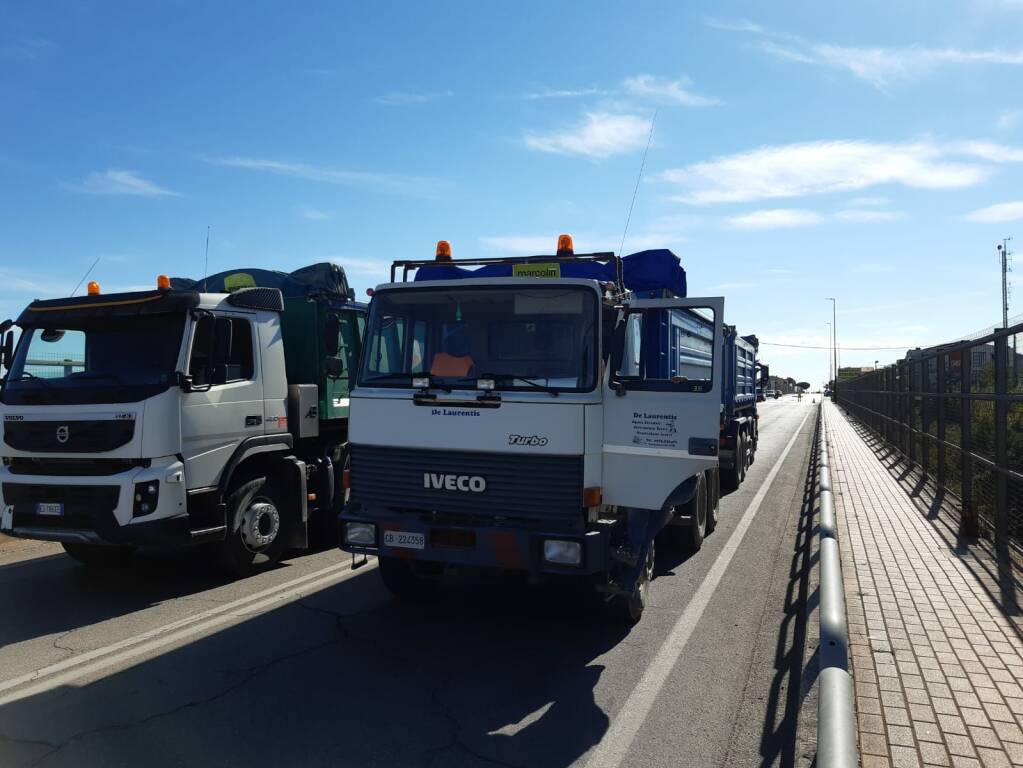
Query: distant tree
803	385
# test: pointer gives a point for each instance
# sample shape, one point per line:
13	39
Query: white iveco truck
515	417
183	415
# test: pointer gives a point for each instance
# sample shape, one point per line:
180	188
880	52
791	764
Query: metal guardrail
955	412
836	717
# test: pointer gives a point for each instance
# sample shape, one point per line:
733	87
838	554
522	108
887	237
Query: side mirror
334	367
7	351
51	335
332	335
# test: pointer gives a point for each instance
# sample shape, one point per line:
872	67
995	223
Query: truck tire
697	530
737	473
628	609
403	582
98	555
713	500
258	543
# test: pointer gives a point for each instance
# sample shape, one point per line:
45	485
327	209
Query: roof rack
604	256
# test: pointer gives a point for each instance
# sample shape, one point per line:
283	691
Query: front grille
517	486
25	465
84	505
92	436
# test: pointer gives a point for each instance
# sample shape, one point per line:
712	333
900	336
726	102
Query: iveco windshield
522	338
112	360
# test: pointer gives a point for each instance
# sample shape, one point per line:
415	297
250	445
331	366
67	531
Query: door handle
253	421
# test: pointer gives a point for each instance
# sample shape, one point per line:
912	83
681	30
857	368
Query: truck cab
167	417
511	418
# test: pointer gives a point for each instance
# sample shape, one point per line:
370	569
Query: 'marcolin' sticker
536	270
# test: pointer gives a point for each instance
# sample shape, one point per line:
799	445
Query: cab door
662	399
225	405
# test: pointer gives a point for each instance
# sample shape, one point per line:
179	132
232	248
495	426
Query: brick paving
937	664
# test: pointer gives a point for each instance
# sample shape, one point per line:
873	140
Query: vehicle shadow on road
344	677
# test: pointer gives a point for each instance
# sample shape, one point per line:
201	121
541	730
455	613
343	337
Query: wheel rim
261	522
643	587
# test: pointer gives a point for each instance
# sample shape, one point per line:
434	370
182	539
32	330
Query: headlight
361	534
147	495
562	552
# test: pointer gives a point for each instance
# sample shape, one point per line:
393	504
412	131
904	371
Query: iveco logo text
63	433
465	483
536	441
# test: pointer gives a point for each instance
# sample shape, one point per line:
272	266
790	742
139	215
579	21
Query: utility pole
834	336
1005	253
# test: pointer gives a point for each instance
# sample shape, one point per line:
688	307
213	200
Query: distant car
772	393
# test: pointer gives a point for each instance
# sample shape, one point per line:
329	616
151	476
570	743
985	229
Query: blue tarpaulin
653	270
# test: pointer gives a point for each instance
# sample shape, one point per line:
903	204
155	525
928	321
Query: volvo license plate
49	508
405	540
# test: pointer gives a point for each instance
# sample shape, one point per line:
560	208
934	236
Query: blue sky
801	150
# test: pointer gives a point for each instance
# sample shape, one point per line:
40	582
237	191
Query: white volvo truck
511	415
180	416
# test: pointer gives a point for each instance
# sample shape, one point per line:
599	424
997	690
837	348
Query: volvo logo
464	483
63	433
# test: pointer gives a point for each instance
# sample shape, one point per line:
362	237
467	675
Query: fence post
941	399
1001	447
925	418
900	389
968	522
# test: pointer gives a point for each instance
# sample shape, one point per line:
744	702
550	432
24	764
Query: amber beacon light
443	250
565	245
163	283
93	288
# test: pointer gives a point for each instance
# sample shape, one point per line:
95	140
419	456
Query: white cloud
785	52
861	216
119	182
776	218
795	170
732	286
409	98
361	266
1010	118
998	213
601	134
25	47
314	214
867	202
881	67
382	181
566	93
667	91
736	25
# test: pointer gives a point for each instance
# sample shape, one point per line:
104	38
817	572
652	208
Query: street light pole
834	336
831	374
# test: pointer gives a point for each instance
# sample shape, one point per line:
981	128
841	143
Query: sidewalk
938	665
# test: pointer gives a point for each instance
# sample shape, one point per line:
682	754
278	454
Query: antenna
87	273
206	260
639	178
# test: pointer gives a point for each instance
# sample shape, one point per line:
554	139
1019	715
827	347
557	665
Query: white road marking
90	662
614	747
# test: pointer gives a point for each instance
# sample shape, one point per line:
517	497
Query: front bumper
483	546
96	509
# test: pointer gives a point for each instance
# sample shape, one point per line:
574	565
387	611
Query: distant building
852	372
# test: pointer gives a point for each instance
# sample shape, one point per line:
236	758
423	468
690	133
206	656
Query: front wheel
629	608
697	530
258	541
98	555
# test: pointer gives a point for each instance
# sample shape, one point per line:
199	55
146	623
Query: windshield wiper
515	377
95	375
26	376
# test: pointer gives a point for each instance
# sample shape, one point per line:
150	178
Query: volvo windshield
521	338
111	360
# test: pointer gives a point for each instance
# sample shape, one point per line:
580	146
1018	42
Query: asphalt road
164	663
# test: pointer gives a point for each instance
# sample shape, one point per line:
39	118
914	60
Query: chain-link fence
50	365
956	413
